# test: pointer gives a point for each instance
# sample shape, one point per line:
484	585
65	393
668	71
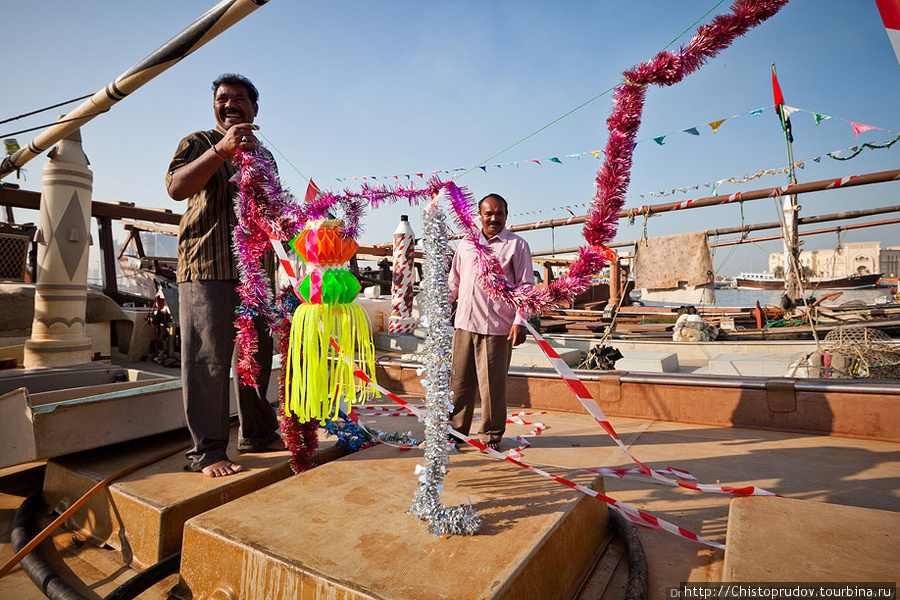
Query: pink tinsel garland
666	68
266	210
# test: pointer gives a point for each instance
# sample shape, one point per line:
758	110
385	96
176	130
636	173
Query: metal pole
219	18
789	210
773	192
812	232
842	216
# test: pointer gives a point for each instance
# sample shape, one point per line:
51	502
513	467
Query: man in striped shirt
201	172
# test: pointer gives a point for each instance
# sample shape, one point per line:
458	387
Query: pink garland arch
265	210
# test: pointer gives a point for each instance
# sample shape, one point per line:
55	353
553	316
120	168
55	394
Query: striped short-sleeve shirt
206	230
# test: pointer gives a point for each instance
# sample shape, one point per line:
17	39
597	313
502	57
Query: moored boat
767	281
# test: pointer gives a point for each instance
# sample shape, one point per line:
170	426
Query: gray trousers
480	365
208	353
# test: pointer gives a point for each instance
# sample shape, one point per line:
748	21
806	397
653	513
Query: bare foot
222	468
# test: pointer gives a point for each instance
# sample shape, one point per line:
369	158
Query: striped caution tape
283	259
588	402
633	514
522	440
621	473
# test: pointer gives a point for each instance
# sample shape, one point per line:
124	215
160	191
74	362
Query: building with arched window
851	258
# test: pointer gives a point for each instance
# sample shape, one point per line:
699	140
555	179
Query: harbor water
745	297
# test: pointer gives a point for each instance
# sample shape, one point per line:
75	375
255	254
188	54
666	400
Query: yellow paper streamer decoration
318	375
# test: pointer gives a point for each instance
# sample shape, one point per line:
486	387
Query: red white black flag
783	115
890	14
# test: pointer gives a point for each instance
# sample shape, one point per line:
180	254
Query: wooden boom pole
219	18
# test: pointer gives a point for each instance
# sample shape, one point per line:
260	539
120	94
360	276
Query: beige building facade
852	258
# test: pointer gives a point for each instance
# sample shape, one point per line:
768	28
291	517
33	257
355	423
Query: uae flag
890	14
783	115
312	190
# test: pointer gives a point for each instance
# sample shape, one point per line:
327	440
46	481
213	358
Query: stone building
852	258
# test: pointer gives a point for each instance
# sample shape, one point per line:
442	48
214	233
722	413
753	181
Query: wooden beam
30	200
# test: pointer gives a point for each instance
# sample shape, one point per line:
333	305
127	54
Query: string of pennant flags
695	130
715	185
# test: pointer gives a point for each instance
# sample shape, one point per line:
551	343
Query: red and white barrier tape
588	402
284	260
633	514
522	440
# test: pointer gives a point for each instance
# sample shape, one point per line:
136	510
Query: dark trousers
208	354
480	365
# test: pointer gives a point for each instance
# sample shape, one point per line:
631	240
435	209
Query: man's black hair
498	197
235	79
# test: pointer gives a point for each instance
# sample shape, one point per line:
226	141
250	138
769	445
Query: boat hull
855	282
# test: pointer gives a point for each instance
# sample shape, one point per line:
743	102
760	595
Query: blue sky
352	88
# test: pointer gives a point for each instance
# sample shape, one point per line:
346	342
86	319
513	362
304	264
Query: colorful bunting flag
859	128
783	109
788	110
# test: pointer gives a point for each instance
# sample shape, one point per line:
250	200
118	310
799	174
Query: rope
44	126
40	110
645	210
798	269
272	146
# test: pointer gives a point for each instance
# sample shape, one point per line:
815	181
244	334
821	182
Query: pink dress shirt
476	311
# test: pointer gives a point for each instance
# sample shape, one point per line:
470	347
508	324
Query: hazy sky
351	88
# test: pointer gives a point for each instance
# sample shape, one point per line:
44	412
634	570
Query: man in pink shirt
486	330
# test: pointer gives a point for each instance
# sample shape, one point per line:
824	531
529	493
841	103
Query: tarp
667	261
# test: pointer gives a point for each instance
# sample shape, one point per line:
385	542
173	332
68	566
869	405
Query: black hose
146	579
36	569
55	588
637	587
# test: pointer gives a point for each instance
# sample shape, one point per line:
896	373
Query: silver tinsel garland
439	333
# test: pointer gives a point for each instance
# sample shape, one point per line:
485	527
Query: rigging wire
551	123
81	118
271	145
40	110
583	104
798	269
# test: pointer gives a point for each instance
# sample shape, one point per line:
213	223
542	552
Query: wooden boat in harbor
767	281
100	444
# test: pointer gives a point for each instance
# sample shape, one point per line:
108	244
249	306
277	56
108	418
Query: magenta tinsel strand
614	176
666	68
264	209
301	438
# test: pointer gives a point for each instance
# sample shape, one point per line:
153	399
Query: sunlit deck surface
819	469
